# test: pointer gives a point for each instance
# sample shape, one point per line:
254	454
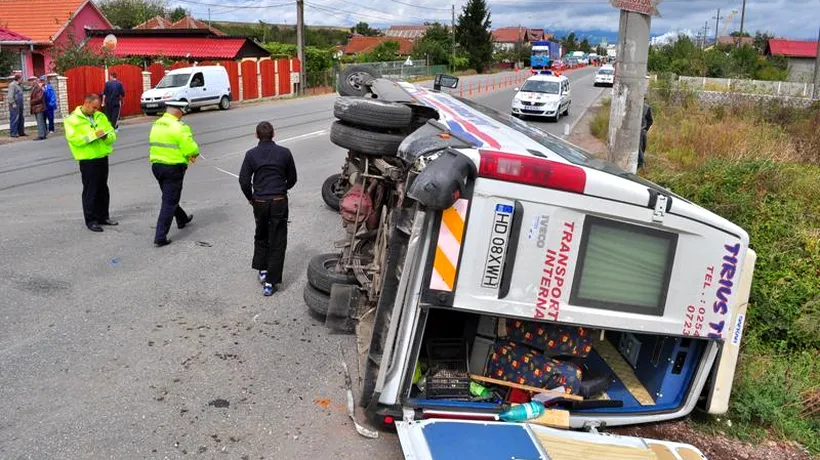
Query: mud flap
344	299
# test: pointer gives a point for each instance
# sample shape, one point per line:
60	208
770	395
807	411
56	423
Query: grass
759	167
599	125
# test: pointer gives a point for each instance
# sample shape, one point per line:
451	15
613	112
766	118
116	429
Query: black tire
363	141
333	191
195	109
224	103
317	301
150	114
566	112
322	276
372	113
354	80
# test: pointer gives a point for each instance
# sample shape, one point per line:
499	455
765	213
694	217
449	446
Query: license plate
151	106
499	236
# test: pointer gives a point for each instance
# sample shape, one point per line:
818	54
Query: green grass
761	170
599	125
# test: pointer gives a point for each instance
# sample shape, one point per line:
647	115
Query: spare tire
322	276
372	113
364	141
354	80
317	301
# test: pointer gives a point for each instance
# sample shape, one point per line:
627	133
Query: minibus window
623	267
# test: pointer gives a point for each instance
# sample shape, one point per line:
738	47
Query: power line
222	5
420	6
403	17
389	16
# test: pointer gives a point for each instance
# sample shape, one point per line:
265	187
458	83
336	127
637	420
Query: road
112	348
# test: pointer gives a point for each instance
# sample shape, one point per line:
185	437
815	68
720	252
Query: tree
435	45
570	43
473	34
8	61
585	45
178	13
363	28
761	41
128	13
384	51
737	33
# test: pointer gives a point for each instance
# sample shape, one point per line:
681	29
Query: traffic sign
647	7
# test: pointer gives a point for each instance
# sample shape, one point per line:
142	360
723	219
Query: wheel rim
337	189
355	80
225	102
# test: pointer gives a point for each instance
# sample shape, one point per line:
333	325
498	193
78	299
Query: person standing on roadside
15	98
267	173
646	123
51	102
172	147
90	138
37	106
113	94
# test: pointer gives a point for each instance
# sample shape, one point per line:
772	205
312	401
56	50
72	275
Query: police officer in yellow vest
172	147
90	138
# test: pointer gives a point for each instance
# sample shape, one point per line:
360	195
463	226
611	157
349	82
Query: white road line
281	141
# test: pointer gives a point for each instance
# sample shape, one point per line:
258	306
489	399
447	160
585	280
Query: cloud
788	18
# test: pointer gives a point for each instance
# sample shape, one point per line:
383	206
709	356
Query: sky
796	19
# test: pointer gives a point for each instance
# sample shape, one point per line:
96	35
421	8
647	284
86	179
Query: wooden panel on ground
564	448
131	78
623	371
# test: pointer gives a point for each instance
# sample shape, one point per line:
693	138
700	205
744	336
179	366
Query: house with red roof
507	38
49	24
198	44
19	44
801	55
358	45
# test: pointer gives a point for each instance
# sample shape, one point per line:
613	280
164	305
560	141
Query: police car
544	95
605	76
496	232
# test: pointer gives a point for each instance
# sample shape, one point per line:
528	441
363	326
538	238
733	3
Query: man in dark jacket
38	107
16	117
113	94
267	173
646	123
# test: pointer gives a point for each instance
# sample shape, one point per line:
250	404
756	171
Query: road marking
282	141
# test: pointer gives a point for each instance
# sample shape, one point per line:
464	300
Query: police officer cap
177	104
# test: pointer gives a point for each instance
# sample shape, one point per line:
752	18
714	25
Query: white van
543	95
478	246
198	86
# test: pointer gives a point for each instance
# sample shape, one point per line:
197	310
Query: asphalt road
112	348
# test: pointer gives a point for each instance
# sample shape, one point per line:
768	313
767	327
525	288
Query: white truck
466	226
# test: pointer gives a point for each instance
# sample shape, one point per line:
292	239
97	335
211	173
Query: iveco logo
542	231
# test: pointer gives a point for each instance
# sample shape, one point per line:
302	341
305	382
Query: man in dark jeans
113	94
646	123
267	173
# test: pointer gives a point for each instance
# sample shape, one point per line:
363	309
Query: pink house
49	24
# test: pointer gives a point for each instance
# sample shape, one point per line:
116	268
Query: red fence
250	82
82	81
233	77
131	78
266	68
284	75
157	72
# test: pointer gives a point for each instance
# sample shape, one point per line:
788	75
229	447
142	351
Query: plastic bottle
479	391
522	412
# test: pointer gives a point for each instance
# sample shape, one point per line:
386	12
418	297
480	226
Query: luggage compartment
639	373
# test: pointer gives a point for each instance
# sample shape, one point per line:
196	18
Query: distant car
558	65
605	76
543	96
198	86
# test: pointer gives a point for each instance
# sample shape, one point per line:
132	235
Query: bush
759	167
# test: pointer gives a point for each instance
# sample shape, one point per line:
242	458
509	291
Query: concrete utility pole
705	35
717	25
742	17
816	93
628	93
300	43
